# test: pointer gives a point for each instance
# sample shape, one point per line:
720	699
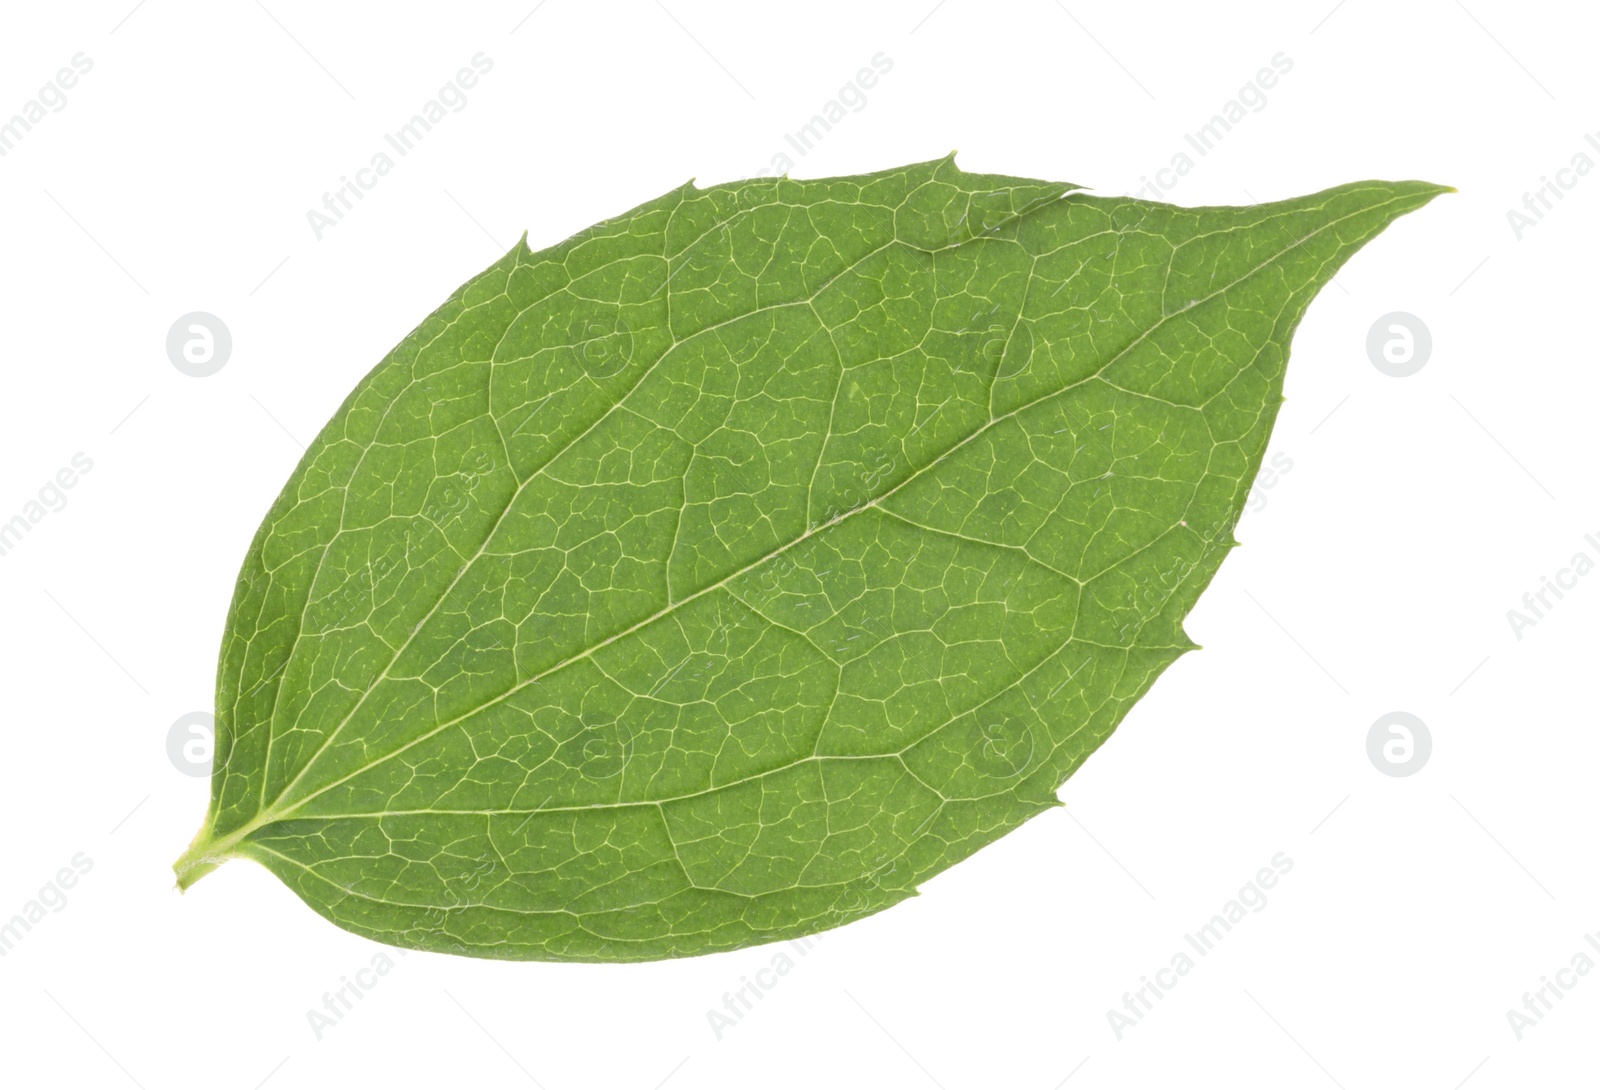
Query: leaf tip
1427	191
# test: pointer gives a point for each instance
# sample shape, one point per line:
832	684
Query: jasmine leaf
722	573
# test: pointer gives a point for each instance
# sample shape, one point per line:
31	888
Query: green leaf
724	572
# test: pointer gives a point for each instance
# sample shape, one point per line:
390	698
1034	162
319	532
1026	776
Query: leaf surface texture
724	572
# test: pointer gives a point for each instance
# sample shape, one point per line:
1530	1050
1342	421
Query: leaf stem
203	856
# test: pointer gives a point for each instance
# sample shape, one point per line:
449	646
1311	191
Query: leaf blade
725	594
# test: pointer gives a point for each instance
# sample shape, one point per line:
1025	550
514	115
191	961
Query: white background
1376	577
